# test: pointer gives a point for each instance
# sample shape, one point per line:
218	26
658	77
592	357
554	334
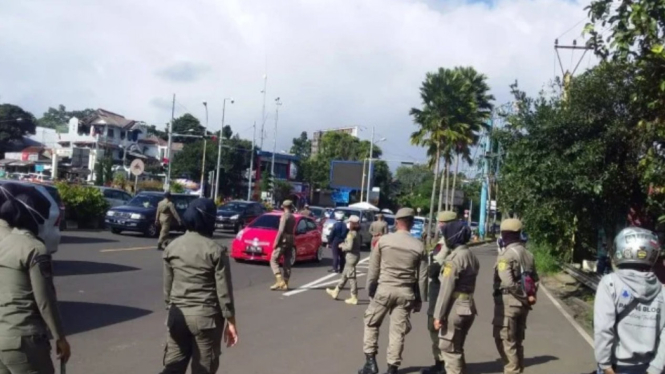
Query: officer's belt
505	291
462	296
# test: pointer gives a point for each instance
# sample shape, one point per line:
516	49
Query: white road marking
319	282
127	249
570	319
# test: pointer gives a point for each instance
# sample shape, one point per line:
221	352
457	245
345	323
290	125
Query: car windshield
347	212
145	201
266	221
316	212
390	220
233	206
54	194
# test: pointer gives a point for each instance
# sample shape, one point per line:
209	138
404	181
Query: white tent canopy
364	205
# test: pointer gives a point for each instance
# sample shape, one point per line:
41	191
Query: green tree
14	124
153	130
104	171
634	33
187	124
57	118
571	169
302	146
282	190
455	106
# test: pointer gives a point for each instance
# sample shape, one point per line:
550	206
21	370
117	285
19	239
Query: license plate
255	250
219	226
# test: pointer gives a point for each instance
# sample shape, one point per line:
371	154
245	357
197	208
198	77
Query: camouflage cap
511	224
446	216
287	203
354	219
405	213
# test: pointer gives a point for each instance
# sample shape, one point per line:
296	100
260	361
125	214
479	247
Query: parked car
50	231
114	196
318	213
366	219
236	214
390	220
139	213
418	229
255	242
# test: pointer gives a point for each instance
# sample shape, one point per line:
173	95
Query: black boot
370	365
392	369
438	368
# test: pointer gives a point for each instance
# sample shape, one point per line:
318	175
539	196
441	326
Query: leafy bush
86	204
546	259
155	185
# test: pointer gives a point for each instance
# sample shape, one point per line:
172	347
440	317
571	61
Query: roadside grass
546	262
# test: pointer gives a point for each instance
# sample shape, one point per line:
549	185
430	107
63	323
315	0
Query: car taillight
57	221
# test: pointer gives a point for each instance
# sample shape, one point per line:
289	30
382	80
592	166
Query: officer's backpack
527	281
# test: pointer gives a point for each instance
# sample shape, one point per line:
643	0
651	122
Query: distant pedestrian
629	309
199	295
335	238
29	315
166	214
283	247
378	228
351	249
438	257
305	211
396	279
515	288
455	309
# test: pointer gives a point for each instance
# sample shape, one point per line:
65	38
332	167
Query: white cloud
333	62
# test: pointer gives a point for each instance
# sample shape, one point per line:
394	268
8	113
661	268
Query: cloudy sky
333	63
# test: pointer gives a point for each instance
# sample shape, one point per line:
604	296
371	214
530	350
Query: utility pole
167	185
203	161
369	168
567	75
263	112
251	166
484	189
274	148
219	150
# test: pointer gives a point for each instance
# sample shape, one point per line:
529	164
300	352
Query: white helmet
635	245
339	215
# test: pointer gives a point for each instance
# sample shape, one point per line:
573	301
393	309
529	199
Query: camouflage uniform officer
29	315
455	308
396	279
165	214
351	248
378	228
438	257
199	294
283	246
511	304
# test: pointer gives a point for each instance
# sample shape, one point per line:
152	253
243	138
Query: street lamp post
274	148
369	168
219	150
203	161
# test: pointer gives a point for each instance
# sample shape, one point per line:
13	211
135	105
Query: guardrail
588	279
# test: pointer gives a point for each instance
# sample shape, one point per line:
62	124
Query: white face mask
348	225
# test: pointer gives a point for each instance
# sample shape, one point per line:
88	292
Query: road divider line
570	319
318	282
126	249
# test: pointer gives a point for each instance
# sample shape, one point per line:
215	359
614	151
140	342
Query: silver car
366	219
114	196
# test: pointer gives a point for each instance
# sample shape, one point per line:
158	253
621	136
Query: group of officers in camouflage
198	290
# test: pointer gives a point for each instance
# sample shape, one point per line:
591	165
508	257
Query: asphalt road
110	292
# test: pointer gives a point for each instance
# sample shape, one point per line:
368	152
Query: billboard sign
346	175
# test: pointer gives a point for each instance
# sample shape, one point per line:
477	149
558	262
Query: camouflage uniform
511	306
284	243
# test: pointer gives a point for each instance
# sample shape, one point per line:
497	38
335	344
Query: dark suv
236	214
139	213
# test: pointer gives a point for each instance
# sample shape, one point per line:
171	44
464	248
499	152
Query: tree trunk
452	197
431	203
447	184
441	187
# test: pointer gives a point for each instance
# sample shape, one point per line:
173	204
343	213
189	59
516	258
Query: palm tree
456	105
